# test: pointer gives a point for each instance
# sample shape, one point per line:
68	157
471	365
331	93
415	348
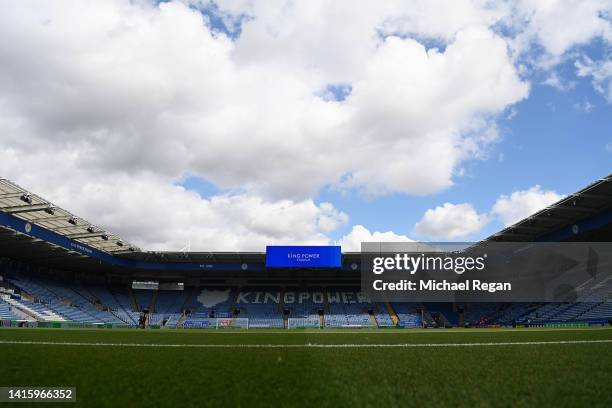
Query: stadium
247	203
74	295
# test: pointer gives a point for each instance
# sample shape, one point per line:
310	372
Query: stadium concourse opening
57	269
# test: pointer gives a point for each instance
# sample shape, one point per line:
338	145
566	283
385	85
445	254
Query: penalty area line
307	345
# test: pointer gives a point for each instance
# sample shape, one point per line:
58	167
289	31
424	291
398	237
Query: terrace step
392	313
153	302
135	307
189	298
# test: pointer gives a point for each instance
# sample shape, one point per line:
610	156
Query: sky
231	125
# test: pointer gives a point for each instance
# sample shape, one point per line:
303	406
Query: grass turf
506	376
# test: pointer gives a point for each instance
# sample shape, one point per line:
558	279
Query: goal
232	323
302	323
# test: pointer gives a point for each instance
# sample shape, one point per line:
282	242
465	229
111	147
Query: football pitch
343	368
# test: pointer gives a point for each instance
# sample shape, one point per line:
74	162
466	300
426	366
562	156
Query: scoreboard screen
303	257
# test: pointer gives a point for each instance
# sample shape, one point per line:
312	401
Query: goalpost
302	323
232	323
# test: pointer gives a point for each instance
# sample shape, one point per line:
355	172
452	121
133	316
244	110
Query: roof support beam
117	249
593	195
26	208
517	234
86	235
10	195
68	227
52	218
528	227
575	209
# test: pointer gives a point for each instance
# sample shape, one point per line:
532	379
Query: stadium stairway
37	311
512	312
189	299
236	293
562	312
281	302
447	316
392	313
593	307
281	308
181	320
7	311
373	320
602	312
152	304
325	301
123	313
135	307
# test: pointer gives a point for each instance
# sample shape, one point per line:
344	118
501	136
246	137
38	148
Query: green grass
554	375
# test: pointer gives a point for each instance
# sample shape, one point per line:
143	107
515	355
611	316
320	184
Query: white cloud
584	106
453	221
334	40
144	88
540	41
351	242
156	215
600	72
450	221
538	22
100	100
521	204
561	84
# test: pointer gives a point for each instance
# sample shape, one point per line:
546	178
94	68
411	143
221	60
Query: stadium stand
44	299
55	266
262	306
47	300
171	301
211	300
209	303
347	308
601	313
6	311
168	307
480	314
382	315
143	299
302	305
569	312
510	314
443	314
408	314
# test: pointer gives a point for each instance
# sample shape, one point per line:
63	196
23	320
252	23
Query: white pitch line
308	345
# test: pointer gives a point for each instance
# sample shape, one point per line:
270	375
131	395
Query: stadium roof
596	199
37	231
36	210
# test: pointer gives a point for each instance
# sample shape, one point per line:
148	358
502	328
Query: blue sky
550	140
559	138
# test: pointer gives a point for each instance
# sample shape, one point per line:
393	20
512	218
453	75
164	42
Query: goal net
302	322
232	323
